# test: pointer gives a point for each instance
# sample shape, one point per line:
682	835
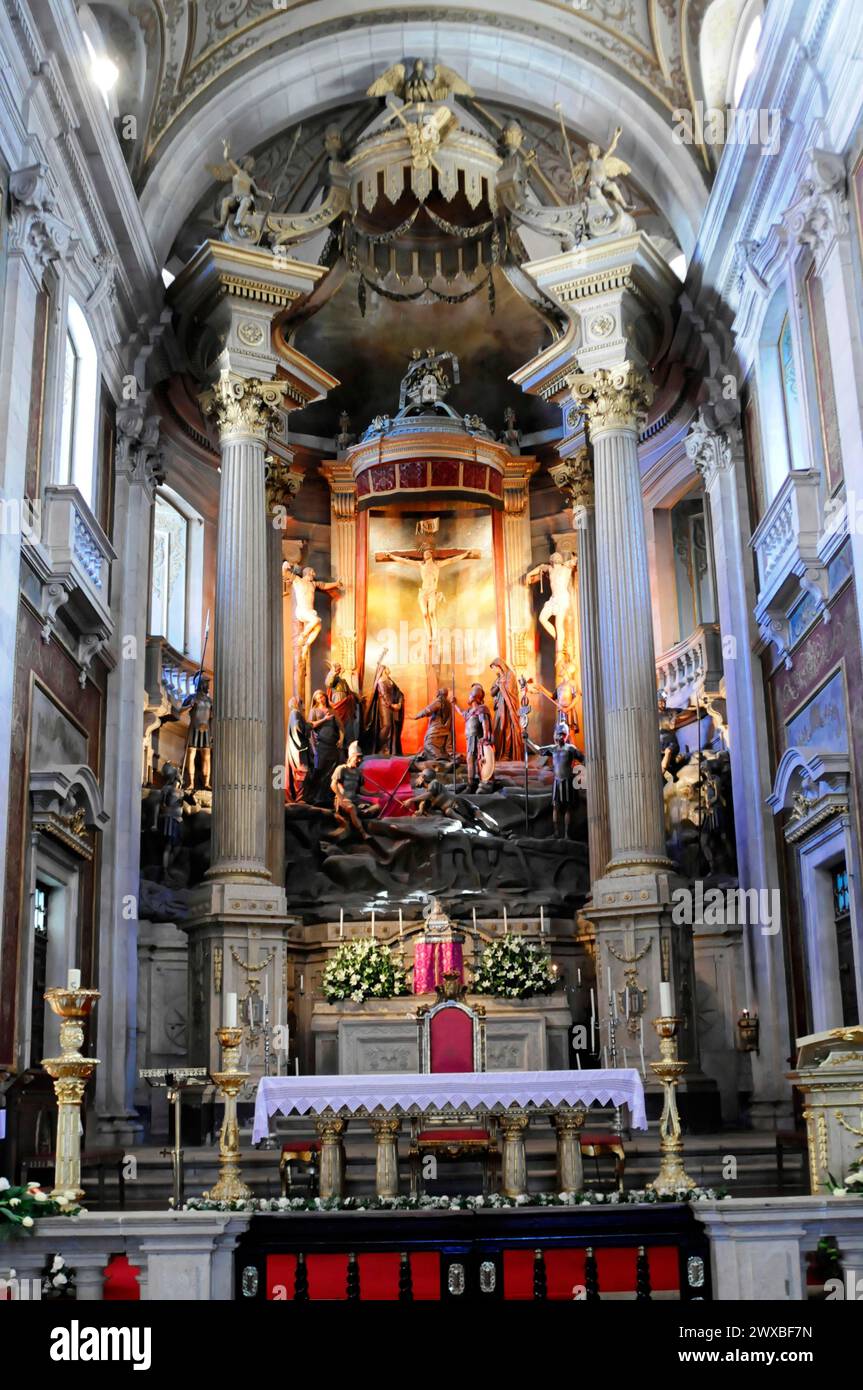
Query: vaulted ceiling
195	70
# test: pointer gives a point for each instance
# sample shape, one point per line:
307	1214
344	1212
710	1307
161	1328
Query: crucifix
429	562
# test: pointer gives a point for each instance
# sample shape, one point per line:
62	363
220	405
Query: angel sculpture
417	86
594	177
241	199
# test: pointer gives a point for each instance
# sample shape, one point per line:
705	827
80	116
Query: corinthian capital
612	398
244	404
710	447
36	231
820	212
574	477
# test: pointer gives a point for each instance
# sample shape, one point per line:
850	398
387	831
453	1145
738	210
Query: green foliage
514	969
363	970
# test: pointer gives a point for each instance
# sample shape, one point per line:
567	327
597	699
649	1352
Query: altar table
384	1098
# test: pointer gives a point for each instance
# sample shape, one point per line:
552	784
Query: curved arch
795	765
65	781
296	84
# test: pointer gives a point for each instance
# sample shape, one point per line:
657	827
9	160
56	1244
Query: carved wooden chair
303	1154
452	1039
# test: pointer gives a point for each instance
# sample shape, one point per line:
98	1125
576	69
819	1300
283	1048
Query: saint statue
564	756
326	740
199	740
565	700
305	585
429	563
344	703
558	607
508	743
438	743
385	714
478	738
347	789
594	178
169	812
297	746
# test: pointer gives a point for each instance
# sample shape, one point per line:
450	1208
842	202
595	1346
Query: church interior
431	610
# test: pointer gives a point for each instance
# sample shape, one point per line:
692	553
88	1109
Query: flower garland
361	970
20	1206
514	969
493	1201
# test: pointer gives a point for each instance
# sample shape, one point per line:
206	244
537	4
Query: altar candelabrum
70	1072
229	1186
672	1175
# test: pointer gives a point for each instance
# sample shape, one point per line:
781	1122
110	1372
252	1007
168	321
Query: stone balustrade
786	539
72	556
182	1256
758	1245
694	664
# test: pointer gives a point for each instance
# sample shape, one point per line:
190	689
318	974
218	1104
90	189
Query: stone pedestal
829	1075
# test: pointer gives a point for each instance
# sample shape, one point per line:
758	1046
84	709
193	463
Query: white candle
592	1004
578	972
541	918
230	1016
401	924
341	921
302	983
593	1034
666	1000
373	921
505	927
605	1056
625	1063
626	1000
473	910
578	1060
296	1066
73	980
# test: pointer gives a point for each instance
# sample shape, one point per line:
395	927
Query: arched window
175	590
745	53
80	400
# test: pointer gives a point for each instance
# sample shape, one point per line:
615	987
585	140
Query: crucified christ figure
429	563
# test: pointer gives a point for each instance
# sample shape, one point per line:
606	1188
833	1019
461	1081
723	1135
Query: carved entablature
811	790
66	803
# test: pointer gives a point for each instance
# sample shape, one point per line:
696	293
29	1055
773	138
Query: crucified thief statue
560	571
429	563
305	585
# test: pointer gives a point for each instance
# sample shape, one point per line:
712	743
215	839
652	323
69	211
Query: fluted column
343	550
613	401
516	562
575	477
244	409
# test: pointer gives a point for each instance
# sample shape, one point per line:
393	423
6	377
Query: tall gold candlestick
672	1174
71	1072
229	1186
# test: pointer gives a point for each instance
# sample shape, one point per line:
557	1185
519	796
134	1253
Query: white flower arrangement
363	969
512	968
851	1185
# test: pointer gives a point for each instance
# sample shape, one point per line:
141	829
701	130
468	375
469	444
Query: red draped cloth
433	960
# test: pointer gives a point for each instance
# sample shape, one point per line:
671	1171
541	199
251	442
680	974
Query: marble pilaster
135	477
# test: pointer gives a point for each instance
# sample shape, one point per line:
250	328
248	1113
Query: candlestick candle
73	980
230	1016
341	921
666	999
373	921
401	923
541	918
505	925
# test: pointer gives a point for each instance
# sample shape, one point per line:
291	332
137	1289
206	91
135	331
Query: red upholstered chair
302	1152
452	1039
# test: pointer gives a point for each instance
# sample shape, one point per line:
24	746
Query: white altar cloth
302	1095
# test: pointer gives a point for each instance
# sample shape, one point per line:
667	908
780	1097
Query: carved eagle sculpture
419	85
